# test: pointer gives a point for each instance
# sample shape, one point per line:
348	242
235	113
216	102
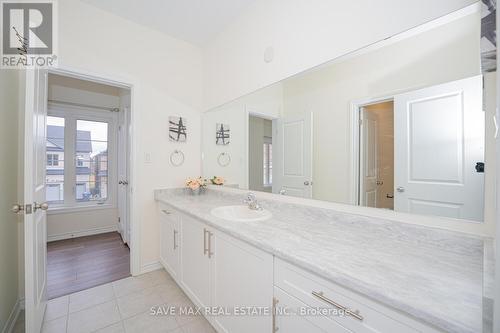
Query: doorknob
123	182
400	189
306	183
42	206
17	208
282	192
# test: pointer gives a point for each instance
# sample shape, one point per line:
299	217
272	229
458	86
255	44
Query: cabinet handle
175	239
210	253
275	302
325	299
205	250
166	212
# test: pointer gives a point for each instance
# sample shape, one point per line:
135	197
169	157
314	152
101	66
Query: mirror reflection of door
377	155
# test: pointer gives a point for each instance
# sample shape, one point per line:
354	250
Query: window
54	174
83	136
52	160
92	147
268	161
79	160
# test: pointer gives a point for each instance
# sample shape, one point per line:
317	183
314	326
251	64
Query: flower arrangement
196	185
216	180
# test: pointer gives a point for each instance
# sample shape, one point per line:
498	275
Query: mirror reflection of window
268	161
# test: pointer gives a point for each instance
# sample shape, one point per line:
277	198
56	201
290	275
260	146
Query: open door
439	150
35	216
123	176
369	164
292	156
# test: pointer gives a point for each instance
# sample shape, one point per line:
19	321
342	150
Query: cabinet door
195	276
242	276
170	240
289	319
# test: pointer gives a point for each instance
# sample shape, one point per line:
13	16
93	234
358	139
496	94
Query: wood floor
84	262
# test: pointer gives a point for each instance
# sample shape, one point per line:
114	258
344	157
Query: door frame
135	239
355	143
250	111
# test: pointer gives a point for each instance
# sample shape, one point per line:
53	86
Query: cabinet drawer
168	213
298	322
317	292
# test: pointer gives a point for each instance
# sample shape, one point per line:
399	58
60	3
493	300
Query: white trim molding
81	233
150	267
14	314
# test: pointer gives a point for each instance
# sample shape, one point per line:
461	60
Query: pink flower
194	185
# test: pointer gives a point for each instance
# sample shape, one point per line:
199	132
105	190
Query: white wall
303	34
9	97
166	78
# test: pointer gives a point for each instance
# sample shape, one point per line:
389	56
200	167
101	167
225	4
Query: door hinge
360	121
119	219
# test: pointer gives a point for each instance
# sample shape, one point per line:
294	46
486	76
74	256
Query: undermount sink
241	213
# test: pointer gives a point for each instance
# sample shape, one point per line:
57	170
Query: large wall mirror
406	124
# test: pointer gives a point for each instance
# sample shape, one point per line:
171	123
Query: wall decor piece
222	134
488	36
177	130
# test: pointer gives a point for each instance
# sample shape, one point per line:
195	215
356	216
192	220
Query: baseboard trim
14	314
152	266
81	233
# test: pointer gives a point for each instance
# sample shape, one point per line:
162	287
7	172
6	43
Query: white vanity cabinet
242	276
219	271
170	255
196	260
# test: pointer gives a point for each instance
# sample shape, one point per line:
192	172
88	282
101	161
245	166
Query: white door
195	275
169	241
292	156
439	138
369	162
241	276
35	217
123	176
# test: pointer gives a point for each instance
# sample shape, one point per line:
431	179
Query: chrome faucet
251	201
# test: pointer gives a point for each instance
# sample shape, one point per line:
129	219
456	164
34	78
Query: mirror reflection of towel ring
177	158
224	159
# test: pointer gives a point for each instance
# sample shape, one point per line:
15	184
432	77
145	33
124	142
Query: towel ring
224	159
179	160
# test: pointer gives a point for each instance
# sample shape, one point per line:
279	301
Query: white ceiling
195	21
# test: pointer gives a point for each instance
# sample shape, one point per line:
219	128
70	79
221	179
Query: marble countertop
431	274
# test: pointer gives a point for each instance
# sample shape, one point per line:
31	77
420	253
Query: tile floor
124	306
